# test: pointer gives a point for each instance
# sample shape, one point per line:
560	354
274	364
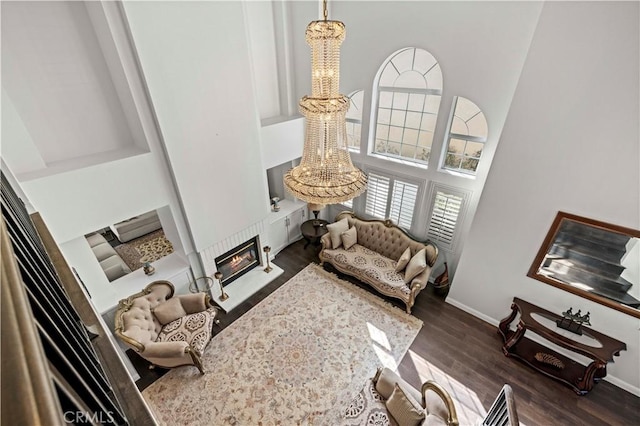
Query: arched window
354	120
467	134
408	89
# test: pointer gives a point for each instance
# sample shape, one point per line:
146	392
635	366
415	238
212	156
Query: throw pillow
404	259
169	311
404	409
335	230
349	237
417	264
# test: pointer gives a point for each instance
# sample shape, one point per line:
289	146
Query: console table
596	346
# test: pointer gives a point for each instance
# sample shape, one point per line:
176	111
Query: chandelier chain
324	9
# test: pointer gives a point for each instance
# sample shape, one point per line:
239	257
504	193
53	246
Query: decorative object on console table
148	268
266	250
573	322
600	348
223	295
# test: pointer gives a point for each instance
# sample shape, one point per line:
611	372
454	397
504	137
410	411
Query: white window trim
356	121
375	104
447	139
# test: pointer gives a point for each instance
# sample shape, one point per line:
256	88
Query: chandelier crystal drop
326	174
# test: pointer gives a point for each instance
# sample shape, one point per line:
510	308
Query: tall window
447	207
466	136
409	89
392	198
354	120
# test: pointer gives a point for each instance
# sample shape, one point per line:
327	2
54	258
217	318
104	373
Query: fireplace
239	260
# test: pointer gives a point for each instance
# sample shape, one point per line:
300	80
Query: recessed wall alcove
66	103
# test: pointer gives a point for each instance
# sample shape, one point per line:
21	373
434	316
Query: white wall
54	72
282	142
81	201
481	48
196	62
262	42
570	143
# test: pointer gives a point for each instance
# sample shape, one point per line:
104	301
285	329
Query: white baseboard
609	378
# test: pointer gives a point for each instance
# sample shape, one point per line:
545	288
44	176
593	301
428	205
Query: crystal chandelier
326	174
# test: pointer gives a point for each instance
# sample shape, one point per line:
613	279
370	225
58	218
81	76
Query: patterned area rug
298	357
147	248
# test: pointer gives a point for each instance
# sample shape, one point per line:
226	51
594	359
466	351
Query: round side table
313	230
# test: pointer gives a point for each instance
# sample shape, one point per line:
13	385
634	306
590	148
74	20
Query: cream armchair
386	399
167	331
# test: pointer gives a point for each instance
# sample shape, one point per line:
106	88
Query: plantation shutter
444	218
403	201
377	195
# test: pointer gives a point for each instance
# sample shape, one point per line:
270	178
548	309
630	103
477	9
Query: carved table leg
515	337
503	327
585	383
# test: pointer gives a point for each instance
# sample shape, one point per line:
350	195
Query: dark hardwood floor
463	353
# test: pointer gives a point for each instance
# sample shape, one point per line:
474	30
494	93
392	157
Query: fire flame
235	261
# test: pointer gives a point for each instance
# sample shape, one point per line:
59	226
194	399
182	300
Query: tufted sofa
166	331
136	226
110	262
373	258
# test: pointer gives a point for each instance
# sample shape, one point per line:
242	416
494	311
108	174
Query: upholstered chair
167	331
387	399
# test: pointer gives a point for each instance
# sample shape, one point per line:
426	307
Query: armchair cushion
193	303
192	328
386	382
169	311
174	349
404	411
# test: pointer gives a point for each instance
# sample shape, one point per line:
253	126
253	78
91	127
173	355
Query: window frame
375	107
467	138
393	177
355	121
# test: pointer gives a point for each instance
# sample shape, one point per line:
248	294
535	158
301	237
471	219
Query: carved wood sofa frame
390	241
124	307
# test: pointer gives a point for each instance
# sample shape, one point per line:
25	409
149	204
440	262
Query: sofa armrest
174	349
422	279
325	240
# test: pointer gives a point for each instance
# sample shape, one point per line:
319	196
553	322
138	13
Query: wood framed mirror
596	260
